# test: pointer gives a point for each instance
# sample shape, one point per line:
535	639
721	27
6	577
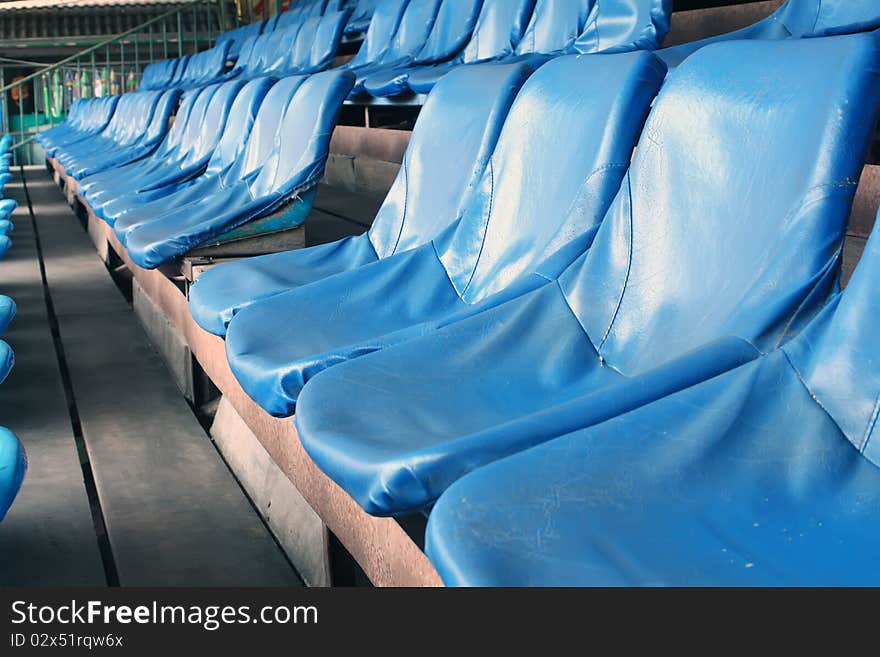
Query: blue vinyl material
361	16
139	124
225	165
207	66
13	465
185	153
170	149
796	19
299	48
7	360
7	207
295	164
763	476
409	39
383	27
90	119
451	32
7	312
547	182
5	245
436	177
6	227
707	239
558	27
159	75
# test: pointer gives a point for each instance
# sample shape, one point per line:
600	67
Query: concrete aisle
165	510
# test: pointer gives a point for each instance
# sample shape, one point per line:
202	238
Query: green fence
35	96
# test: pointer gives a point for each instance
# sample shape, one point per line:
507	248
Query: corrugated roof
20	5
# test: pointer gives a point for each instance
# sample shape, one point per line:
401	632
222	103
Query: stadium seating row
528	280
13	462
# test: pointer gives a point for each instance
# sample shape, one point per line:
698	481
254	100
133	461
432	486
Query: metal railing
33	102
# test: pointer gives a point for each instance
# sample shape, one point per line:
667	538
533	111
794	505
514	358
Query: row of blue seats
546	288
237	151
468	353
411	44
13	462
277	51
361	14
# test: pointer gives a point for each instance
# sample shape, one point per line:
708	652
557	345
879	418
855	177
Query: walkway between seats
124	486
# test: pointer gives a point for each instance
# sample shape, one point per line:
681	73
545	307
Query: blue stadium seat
451	33
382	31
7	360
763	476
435	179
712	251
7	312
13	464
557	27
138	126
206	67
361	16
298	49
5	245
796	19
239	36
547	182
225	166
159	75
412	32
184	153
292	168
91	118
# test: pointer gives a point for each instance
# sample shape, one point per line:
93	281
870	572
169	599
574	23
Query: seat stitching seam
628	267
866	438
491	171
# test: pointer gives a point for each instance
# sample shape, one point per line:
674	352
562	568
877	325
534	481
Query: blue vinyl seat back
328	35
555	26
303	136
551	180
456	133
361	16
313	8
620	25
451	32
293	16
796	19
180	71
412	32
214	117
188	123
383	27
130	109
264	131
158	117
234	138
158	75
13	464
207	65
317	36
704	239
247	57
499	29
838	356
818	18
270	50
239	36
